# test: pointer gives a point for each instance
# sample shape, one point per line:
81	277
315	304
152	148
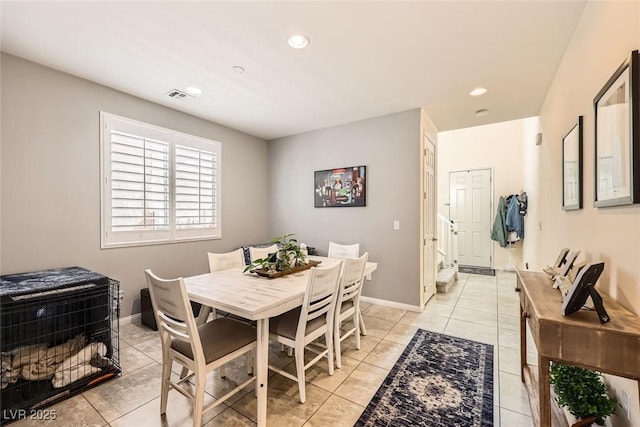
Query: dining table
256	298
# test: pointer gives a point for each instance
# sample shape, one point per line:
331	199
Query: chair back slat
225	261
337	250
319	307
177	330
352	278
320	296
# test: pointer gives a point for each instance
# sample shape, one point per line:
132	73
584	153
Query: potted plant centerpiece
290	256
583	393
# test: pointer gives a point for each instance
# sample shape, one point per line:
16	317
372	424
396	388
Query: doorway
470	205
429	217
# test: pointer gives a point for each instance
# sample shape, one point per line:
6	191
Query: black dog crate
58	336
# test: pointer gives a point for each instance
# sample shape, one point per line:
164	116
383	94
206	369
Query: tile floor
481	308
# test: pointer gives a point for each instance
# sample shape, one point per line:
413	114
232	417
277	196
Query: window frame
109	238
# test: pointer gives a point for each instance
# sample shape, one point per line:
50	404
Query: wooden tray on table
272	275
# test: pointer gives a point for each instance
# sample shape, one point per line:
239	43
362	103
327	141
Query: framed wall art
572	168
340	187
617	138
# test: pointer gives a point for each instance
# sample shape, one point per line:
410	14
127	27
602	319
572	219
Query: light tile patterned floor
480	308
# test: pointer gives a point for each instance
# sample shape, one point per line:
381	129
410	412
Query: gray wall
390	148
50	197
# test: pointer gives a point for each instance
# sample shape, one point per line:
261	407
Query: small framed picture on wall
340	187
572	168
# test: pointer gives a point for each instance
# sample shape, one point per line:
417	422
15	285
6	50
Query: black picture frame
617	137
340	187
572	167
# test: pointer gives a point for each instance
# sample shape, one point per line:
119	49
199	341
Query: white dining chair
219	262
261	253
337	250
297	328
226	260
348	303
199	349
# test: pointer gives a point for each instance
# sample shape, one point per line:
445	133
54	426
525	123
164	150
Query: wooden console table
579	339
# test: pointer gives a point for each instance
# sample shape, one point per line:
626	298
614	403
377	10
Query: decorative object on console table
617	117
58	336
572	168
582	392
340	187
289	258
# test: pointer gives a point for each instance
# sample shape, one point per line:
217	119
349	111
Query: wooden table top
250	296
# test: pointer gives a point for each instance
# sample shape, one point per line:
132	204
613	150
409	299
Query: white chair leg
300	371
222	371
328	339
356	316
363	329
336	345
289	351
198	403
164	388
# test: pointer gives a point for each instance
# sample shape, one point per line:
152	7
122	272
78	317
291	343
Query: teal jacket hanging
499	230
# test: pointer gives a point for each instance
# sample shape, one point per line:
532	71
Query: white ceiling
365	59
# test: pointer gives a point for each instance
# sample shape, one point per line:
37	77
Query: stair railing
448	241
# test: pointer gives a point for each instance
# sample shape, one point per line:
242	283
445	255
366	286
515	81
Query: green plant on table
288	255
582	392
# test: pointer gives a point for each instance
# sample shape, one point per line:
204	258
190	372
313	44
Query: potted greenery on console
582	392
289	257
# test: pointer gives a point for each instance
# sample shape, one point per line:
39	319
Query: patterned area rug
438	381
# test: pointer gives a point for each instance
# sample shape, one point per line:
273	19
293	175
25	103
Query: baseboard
134	318
391	304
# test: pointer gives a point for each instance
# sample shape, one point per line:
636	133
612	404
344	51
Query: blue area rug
438	381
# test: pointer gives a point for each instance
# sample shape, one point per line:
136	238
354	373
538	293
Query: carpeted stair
446	277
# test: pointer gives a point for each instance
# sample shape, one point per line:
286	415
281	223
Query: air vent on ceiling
178	94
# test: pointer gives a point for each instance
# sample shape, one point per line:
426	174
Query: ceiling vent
178	94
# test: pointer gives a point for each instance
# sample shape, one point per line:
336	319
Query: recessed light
482	112
238	69
298	41
194	90
478	91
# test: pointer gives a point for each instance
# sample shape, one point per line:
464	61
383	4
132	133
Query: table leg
523	342
262	370
544	391
205	311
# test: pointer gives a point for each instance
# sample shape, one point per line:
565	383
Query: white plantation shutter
194	188
158	185
139	183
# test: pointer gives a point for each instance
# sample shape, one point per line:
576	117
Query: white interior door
470	205
429	200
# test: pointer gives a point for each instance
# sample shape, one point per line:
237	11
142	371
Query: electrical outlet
396	225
